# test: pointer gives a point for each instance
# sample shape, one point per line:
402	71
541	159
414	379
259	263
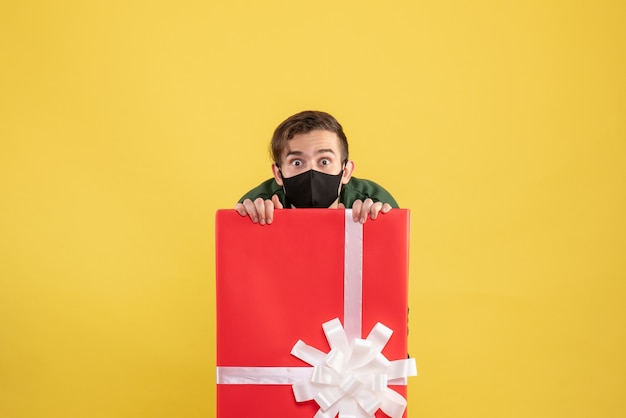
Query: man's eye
296	163
325	161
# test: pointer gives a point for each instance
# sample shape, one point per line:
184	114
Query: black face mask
311	189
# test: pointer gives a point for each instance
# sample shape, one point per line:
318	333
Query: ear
347	172
277	176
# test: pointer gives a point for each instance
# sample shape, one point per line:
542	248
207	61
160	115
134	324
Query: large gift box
296	301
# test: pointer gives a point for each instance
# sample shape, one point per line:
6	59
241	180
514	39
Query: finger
277	203
251	210
269	211
356	210
386	208
259	204
341	206
367	204
376	207
241	209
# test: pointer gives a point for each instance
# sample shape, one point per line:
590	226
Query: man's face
318	150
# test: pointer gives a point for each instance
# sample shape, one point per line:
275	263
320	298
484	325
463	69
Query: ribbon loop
336	335
393	404
324	375
336	360
369	402
402	368
326	398
379	336
308	354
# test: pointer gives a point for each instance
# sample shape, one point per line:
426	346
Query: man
312	170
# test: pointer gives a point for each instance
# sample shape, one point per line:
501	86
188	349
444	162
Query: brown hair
302	123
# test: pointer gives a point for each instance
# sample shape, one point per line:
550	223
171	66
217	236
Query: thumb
276	201
341	206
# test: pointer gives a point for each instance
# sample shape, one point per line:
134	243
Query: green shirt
356	189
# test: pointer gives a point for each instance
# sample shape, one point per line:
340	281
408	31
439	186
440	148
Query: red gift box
277	284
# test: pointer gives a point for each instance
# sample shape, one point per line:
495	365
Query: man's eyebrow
318	152
296	153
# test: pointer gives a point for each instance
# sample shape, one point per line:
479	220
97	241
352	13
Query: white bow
351	379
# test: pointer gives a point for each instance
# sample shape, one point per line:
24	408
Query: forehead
313	142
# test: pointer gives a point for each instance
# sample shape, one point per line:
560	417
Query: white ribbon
351	379
353	277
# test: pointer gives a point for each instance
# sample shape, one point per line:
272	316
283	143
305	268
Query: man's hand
260	211
361	209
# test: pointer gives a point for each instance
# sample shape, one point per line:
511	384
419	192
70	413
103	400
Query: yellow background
125	125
